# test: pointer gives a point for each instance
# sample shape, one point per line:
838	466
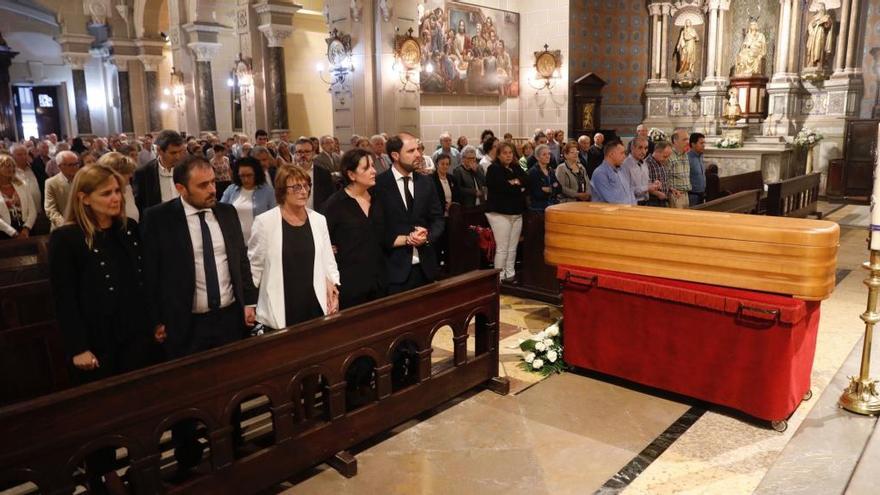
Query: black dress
100	299
298	255
359	254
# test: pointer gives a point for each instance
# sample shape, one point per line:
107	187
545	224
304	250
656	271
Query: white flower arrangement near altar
543	352
656	135
807	138
729	143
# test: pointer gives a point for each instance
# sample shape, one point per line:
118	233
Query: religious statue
750	59
686	50
732	112
819	39
587	121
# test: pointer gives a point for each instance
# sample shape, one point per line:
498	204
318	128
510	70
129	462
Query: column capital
204	32
276	20
76	61
75	43
204	51
151	62
121	61
275	34
718	5
150	46
666	8
654	9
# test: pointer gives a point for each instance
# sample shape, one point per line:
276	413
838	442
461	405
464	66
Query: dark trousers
208	330
415	280
696	198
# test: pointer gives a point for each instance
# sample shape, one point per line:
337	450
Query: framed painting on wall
467	49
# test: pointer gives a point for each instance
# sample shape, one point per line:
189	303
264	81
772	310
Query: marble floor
580	432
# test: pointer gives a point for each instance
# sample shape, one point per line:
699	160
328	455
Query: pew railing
24	260
46	439
463	249
741	202
795	197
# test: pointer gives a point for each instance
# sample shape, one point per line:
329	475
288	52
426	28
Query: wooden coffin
789	256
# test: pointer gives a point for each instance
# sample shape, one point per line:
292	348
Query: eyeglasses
299	188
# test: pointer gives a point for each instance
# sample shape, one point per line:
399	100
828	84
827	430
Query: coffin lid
734	226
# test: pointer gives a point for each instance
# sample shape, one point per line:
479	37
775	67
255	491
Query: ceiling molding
27	9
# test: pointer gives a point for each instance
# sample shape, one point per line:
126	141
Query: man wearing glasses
470	179
58	187
322	180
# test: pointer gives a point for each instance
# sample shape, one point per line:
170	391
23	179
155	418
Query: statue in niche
819	38
732	112
750	59
686	50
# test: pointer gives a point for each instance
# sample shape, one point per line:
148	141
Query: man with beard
198	277
413	217
154	182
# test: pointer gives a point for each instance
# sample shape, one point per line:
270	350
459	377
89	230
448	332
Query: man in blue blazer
413	217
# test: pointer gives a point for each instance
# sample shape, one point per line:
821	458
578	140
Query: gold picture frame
547	62
408	50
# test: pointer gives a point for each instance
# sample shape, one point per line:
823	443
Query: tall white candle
875	200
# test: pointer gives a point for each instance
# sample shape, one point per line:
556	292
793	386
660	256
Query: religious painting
468	50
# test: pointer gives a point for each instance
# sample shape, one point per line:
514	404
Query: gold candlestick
862	395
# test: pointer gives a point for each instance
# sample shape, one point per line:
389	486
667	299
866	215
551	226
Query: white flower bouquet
728	143
656	135
807	138
543	352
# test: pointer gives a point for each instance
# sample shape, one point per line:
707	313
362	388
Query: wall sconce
408	59
244	75
546	72
339	58
177	89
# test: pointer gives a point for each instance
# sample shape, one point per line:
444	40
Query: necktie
212	282
406	194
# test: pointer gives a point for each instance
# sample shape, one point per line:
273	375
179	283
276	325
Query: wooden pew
741	202
463	250
46	438
24	260
742	182
795	197
536	279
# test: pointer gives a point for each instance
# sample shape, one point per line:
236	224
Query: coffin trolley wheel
808	395
780	425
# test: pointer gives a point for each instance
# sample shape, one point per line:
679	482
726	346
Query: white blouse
244	205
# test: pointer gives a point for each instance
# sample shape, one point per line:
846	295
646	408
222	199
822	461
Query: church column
7	111
853	64
842	36
713	91
77	63
151	56
795	39
656	30
123	83
723	6
204	44
711	37
782	41
276	24
664	41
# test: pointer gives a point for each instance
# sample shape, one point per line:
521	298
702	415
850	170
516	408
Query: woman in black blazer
96	270
505	203
447	191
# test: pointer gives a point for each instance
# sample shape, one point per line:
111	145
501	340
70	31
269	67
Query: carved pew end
499	385
344	463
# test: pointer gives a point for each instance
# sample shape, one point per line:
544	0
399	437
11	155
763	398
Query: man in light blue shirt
446	148
611	183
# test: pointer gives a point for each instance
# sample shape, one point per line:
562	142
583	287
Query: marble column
276	24
153	96
124	84
853	64
656	30
711	39
713	90
842	36
782	41
795	38
664	41
204	84
7	110
723	6
77	63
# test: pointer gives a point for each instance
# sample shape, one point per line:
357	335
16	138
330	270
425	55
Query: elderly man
470	179
697	193
641	131
595	155
383	161
639	177
584	150
446	148
657	172
679	169
541	138
147	154
33	177
610	183
41	157
58	188
264	156
328	158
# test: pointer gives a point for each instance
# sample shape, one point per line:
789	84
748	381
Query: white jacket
28	210
264	251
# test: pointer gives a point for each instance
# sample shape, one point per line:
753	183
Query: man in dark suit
154	182
596	155
328	158
413	217
584	150
322	180
198	277
470	179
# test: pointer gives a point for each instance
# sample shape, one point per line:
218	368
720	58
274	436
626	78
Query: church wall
610	39
309	109
871	60
541	21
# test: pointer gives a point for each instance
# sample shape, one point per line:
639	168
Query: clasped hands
418	237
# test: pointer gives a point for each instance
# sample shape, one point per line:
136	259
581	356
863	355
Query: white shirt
639	178
485	162
131	209
200	297
30	181
398	179
244	205
166	183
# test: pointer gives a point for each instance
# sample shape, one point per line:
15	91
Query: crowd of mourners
168	245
